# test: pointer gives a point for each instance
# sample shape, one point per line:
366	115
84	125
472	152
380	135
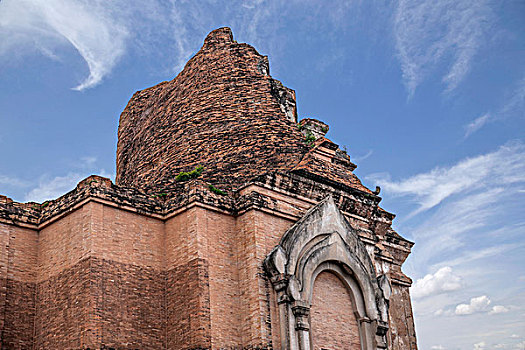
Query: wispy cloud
516	101
513	106
447	229
12	181
476	124
363	157
51	187
433	33
478	254
503	167
102	32
91	28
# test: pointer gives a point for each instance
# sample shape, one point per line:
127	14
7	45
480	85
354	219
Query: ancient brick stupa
231	226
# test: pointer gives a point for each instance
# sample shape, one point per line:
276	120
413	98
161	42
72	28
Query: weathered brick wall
127	270
258	233
18	253
223	111
187	288
332	316
128	305
64	309
101	281
64	302
218	246
203	292
188	306
402	331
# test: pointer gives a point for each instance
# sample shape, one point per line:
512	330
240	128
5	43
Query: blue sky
427	96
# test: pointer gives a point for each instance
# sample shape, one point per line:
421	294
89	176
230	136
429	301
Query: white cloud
520	345
12	181
515	336
505	166
478	304
512	107
498	309
88	26
363	157
431	33
437	347
444	280
500	346
476	124
49	188
480	346
471	255
514	104
53	188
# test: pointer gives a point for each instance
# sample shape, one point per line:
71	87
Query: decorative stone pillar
301	311
280	284
381	340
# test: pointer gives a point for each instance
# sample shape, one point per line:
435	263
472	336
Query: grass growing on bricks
216	190
185	176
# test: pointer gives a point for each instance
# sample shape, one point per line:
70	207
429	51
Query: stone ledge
356	204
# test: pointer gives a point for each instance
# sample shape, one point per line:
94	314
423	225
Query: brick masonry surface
332	315
223	112
153	263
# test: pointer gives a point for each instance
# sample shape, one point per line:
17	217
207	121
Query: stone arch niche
323	241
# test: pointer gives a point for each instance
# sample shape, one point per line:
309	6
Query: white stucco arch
324	241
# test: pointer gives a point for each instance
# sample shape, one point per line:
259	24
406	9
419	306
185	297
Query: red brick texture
188	306
18	315
111	278
65	314
152	263
403	334
18	253
332	316
224	112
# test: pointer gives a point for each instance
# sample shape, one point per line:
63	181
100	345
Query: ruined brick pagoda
230	226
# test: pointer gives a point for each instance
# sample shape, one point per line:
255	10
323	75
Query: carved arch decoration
324	241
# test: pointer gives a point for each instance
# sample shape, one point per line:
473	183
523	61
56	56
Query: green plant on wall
309	139
216	190
185	176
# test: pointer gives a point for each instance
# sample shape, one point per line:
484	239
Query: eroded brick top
223	112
